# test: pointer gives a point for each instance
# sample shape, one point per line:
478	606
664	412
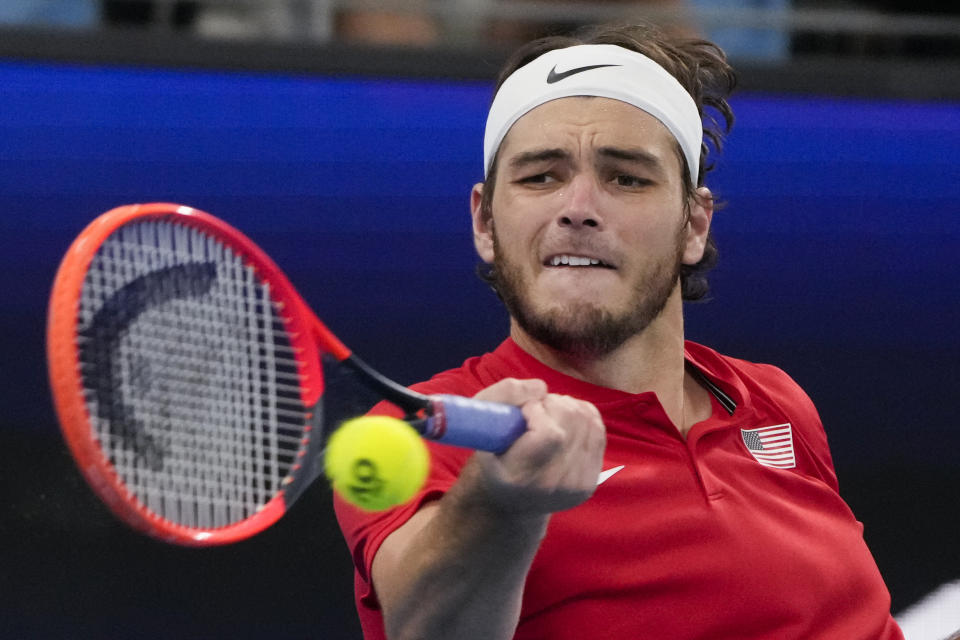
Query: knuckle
511	390
561	403
554	436
507	383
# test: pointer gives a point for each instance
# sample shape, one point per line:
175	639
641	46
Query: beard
584	329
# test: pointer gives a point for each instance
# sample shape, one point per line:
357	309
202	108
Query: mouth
572	260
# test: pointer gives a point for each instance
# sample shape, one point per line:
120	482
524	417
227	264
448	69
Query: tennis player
663	490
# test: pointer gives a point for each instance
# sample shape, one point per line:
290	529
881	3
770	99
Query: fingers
568	433
554	465
562	425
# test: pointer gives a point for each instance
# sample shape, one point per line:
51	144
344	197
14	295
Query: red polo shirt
737	531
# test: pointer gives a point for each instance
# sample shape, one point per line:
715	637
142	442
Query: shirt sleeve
364	531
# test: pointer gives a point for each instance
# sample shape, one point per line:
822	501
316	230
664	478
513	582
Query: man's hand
551	467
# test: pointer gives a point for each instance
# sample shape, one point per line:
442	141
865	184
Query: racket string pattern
189	375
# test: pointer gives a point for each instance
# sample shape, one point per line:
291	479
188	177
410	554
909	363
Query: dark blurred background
344	137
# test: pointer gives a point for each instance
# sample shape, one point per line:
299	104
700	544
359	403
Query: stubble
584	329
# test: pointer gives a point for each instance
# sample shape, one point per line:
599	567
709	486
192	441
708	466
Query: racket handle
475	424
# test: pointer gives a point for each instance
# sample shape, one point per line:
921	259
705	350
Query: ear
698	226
482	226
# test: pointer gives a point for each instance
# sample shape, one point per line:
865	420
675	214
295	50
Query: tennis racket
195	388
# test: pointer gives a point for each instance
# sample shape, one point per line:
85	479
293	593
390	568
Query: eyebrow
530	157
639	156
633	154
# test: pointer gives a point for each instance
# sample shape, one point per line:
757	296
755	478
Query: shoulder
768	383
752	380
769	391
477	373
463	380
772	381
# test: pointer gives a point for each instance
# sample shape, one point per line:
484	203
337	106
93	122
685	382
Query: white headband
602	70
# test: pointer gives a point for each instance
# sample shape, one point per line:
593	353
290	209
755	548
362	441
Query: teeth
573	261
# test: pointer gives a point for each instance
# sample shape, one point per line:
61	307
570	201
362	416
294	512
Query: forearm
457	568
461	574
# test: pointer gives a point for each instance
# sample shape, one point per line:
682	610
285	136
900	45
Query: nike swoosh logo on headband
553	76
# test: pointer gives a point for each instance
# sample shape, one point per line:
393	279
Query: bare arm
457	568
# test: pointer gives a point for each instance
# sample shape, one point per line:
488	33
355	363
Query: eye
537	178
624	180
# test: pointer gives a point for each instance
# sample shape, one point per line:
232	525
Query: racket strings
190	377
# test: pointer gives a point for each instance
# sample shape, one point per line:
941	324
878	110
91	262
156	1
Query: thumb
514	391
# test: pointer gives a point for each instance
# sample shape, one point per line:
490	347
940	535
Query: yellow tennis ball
376	462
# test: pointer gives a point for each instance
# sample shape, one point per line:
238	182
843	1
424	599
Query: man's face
588	227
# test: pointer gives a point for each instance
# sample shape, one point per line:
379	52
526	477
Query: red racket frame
307	333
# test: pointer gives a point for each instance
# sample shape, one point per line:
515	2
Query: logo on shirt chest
605	475
771	446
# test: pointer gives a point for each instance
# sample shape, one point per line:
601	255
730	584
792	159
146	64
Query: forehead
591	121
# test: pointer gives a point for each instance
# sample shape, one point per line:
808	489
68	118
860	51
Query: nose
580	204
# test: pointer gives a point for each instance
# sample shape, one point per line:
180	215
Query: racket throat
413	403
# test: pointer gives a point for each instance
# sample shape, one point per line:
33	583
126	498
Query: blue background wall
838	263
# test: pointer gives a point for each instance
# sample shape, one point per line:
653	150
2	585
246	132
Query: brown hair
698	65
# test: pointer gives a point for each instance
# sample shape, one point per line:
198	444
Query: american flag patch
771	446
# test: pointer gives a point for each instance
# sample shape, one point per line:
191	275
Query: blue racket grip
465	422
